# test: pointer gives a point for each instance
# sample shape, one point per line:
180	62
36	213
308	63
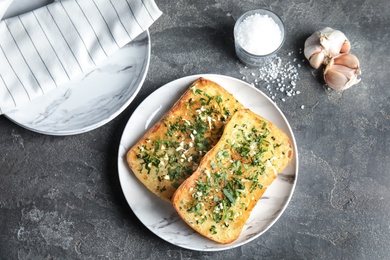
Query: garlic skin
324	44
342	71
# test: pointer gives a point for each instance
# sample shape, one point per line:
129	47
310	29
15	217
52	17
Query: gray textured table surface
60	197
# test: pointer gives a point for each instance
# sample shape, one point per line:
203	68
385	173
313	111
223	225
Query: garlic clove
346	47
317	59
349	60
312	45
342	72
335	79
346	71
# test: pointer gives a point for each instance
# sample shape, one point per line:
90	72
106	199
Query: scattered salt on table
279	78
259	34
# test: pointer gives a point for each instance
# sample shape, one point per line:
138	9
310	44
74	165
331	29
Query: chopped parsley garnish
213	230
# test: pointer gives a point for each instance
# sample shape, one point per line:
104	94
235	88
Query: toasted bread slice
172	149
217	199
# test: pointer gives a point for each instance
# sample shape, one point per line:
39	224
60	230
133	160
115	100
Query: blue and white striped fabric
45	48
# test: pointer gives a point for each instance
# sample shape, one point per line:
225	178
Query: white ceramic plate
160	216
91	100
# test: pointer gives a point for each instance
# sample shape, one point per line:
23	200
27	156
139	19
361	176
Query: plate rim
105	120
291	134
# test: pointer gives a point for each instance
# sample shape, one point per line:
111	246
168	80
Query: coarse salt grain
259	34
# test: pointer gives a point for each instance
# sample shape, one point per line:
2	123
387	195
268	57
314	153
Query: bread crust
217	199
171	150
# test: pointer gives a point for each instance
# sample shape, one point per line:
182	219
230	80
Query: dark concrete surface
60	197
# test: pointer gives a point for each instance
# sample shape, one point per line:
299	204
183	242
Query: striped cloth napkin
45	48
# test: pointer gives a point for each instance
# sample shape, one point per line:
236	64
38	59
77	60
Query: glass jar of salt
258	35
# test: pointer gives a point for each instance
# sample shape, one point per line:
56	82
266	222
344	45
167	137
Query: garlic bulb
342	71
325	44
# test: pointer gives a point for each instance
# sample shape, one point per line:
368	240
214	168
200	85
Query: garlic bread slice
217	199
172	149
